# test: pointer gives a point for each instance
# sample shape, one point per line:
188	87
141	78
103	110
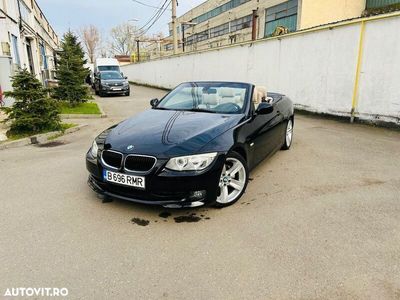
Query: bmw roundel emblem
130	147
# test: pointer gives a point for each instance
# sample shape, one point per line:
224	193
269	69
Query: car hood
167	133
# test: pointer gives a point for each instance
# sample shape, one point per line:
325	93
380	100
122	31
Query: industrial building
27	40
217	23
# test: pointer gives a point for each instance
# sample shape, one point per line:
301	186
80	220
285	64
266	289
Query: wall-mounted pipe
358	72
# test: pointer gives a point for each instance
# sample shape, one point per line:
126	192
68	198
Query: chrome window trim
111	167
140	172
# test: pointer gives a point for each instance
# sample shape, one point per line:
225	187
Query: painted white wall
315	69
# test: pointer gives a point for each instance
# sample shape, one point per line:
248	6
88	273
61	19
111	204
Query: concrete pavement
319	221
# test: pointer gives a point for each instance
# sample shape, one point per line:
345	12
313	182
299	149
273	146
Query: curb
82	116
151	86
38	139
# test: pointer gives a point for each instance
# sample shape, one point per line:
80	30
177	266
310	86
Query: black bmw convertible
195	146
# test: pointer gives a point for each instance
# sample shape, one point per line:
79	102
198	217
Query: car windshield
110	75
213	97
108	68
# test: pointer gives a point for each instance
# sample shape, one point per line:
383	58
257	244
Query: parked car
195	146
111	82
104	64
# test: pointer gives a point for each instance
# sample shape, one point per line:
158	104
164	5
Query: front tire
233	180
288	135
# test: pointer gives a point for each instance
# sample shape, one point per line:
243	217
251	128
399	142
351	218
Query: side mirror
264	108
126	77
154	102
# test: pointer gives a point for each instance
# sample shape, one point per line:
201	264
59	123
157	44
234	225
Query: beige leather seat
260	94
226	95
209	100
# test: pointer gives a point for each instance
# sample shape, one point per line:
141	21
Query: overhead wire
156	17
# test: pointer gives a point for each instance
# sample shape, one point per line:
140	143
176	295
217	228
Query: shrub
33	111
70	72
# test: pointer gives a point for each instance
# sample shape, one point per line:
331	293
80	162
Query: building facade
217	23
27	40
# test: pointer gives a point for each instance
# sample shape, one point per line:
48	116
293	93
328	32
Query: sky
105	14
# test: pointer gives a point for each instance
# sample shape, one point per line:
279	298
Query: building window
242	23
218	10
43	56
202	36
284	14
381	3
25	11
169	47
14	41
190	39
219	30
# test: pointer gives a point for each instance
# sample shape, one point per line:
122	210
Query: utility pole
183	33
183	37
174	31
138	49
254	25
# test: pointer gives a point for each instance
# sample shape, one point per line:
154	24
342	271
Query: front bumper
109	90
163	187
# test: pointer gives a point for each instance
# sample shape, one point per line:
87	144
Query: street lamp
183	32
137	41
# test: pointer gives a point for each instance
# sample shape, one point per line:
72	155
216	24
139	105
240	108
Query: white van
106	64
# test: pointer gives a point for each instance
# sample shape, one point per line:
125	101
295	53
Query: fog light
197	195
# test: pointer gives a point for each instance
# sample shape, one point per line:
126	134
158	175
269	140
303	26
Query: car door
265	134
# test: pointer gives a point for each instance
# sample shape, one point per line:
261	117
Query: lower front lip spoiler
184	205
179	203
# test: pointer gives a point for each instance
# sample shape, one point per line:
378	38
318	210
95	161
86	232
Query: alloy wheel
232	181
289	133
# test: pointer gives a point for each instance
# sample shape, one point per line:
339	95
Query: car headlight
104	83
191	163
94	149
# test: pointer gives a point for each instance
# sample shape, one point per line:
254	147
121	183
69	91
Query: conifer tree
33	111
70	72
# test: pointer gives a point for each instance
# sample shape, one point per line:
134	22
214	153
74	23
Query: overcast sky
105	14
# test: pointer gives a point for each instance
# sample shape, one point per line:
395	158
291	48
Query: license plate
124	179
116	89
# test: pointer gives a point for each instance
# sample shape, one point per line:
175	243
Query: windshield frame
108	68
244	110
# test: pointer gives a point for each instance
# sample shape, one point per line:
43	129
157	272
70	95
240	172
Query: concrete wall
316	69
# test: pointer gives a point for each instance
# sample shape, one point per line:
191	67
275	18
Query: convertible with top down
195	146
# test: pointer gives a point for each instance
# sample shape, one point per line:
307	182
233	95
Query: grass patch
87	108
18	136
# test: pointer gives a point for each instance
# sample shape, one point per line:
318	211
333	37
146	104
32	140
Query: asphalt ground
320	221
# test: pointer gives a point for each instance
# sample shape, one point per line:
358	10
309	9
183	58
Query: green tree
70	72
33	111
